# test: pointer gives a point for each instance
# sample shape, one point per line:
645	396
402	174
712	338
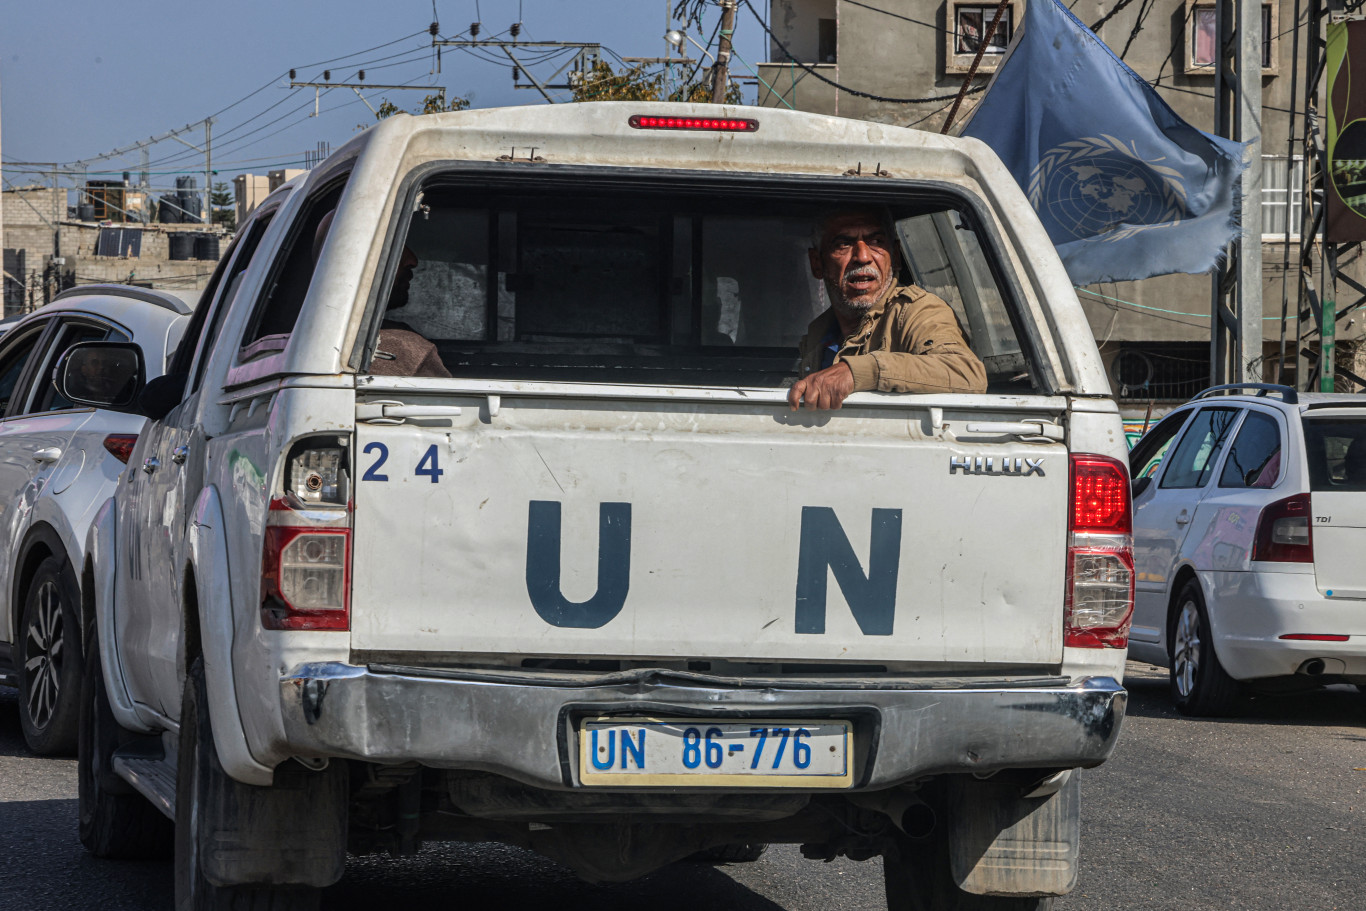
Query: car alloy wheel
44	654
1186	649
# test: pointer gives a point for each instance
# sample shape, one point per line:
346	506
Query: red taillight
1100	496
720	124
120	445
1314	637
305	571
1284	533
1099	596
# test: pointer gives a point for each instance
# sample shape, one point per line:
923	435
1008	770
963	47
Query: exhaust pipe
907	812
1314	667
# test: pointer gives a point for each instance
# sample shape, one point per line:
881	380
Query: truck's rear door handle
50	454
1182	517
1045	429
397	412
179	454
151	464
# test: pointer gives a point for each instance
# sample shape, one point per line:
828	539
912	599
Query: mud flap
1004	843
291	833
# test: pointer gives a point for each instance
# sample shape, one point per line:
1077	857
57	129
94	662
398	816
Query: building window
1282	196
1160	371
827	45
968	23
1202	26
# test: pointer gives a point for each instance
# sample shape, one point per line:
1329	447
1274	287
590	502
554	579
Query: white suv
1249	527
58	464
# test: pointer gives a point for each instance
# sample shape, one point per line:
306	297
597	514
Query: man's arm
929	355
824	390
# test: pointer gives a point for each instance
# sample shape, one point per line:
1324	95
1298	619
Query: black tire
198	768
744	853
1199	684
48	659
916	877
115	820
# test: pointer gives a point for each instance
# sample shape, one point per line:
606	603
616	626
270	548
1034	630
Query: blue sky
81	78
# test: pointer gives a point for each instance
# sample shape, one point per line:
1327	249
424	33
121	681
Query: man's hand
824	389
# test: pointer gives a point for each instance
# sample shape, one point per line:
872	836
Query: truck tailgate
659	528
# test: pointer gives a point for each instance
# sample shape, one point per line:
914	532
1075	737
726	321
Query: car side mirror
106	375
1140	485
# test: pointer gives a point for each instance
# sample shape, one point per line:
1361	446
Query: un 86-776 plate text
636	752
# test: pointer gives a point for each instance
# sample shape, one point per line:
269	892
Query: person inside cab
878	334
401	351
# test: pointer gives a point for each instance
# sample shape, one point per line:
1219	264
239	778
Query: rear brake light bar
1099	595
717	124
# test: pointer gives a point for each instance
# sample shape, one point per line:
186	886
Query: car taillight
120	445
1099	597
306	557
719	124
1284	534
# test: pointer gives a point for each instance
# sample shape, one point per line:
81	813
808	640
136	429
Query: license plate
643	752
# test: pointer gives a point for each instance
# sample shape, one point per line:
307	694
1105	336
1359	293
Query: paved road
1262	811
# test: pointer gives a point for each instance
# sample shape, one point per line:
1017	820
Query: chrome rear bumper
517	726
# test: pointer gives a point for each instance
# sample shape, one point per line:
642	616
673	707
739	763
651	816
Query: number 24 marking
429	466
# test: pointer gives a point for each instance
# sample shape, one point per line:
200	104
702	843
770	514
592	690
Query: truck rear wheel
199	774
916	876
115	820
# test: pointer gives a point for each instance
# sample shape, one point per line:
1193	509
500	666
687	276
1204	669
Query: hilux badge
991	465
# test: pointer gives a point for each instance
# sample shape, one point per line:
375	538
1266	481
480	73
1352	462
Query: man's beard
860	305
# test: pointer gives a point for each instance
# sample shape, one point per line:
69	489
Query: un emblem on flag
1098	188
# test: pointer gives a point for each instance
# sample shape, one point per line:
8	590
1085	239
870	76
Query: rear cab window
678	281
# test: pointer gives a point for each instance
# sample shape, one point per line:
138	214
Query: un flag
1125	188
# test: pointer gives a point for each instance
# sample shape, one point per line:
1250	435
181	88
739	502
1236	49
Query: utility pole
317	88
721	72
588	53
208	172
1236	298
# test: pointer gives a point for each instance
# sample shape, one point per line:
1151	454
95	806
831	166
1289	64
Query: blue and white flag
1125	188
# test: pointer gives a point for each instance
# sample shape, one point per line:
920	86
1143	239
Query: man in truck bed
877	335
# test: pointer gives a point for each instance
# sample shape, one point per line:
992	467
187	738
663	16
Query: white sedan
58	463
1249	530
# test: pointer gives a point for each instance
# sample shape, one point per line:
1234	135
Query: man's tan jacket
908	342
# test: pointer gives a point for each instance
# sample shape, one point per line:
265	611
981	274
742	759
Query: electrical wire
1118	300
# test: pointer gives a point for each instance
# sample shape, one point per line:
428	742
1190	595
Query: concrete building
47	250
250	190
280	177
1154	333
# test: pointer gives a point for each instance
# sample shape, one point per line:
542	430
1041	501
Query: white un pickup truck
473	509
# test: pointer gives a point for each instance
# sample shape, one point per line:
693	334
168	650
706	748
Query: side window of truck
232	281
292	272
